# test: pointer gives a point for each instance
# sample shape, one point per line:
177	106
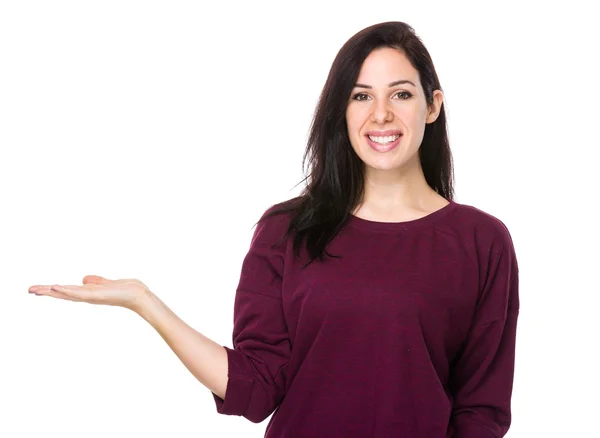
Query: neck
388	191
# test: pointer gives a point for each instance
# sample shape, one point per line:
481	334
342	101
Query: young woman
372	305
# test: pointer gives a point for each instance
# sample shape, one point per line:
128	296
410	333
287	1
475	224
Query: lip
384	148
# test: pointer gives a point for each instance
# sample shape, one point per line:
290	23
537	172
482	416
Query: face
386	119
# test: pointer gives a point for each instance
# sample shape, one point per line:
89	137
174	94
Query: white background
145	139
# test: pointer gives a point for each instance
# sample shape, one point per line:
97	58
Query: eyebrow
391	84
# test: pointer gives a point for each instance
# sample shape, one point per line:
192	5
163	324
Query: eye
363	96
405	93
360	96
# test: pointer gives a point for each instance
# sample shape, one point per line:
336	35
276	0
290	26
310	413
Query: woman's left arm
481	375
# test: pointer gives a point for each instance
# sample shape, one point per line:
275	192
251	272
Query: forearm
204	358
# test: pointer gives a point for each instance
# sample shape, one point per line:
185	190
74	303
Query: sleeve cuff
469	429
239	389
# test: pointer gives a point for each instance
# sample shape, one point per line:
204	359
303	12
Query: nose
382	112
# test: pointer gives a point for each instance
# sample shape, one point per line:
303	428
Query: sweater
410	334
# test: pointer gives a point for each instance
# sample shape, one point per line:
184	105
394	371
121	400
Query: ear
435	108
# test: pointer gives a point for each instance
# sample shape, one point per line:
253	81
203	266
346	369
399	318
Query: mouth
384	143
383	139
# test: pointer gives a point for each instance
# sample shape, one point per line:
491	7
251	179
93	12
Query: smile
383	140
383	144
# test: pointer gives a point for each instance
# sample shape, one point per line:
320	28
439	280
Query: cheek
355	119
351	124
408	115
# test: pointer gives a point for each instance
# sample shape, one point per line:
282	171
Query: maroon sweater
410	335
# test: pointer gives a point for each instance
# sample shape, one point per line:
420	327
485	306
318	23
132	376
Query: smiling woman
373	304
378	147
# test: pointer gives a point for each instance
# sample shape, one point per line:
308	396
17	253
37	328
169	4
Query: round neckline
426	220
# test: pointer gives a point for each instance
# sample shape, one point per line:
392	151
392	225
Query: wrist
141	302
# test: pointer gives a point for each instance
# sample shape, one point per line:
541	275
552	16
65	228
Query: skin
127	293
395	186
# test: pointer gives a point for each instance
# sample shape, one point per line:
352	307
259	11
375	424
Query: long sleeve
258	363
481	378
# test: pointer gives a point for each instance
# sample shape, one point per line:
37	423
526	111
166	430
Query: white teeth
384	140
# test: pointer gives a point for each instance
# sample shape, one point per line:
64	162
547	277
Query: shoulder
272	225
488	229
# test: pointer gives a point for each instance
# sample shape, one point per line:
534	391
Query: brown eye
359	96
404	93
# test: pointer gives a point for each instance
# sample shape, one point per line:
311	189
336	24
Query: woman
372	305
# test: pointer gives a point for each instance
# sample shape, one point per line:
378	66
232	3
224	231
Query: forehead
384	65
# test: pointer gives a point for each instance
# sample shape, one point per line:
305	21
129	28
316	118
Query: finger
63	296
48	291
40	288
75	293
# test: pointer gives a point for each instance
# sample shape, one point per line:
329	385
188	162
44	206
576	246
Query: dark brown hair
336	175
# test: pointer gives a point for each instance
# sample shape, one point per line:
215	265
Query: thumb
95	279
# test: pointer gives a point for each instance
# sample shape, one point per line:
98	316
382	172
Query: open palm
98	290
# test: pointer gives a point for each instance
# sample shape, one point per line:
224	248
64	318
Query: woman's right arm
249	379
205	359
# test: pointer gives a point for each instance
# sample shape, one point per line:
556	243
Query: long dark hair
336	183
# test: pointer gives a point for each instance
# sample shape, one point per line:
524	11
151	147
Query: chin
393	163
